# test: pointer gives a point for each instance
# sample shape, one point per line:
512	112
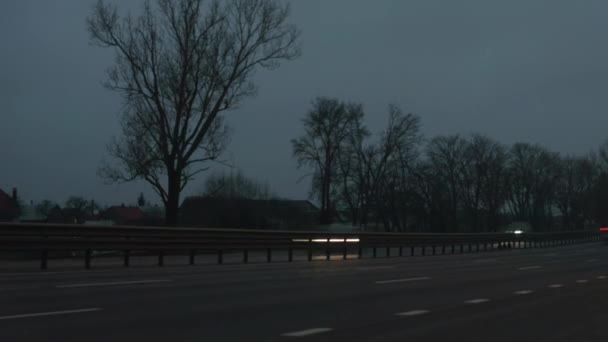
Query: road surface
548	294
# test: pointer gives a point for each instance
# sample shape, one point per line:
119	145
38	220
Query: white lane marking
601	277
113	283
50	313
404	280
523	292
412	313
529	268
555	286
481	261
582	281
307	332
477	301
372	268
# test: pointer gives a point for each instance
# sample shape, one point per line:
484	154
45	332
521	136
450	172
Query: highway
545	294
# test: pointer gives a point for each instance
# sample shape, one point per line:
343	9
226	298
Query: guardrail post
192	256
443	249
461	249
161	258
477	248
126	258
400	251
485	246
374	252
412	250
327	253
44	257
360	252
423	250
245	256
220	256
345	251
309	253
290	254
87	259
434	249
388	252
470	248
269	254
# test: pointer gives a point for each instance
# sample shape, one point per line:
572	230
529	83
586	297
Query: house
247	213
122	215
9	206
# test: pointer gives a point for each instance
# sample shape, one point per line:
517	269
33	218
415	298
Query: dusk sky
520	70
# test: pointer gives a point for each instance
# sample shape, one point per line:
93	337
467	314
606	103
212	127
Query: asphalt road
548	294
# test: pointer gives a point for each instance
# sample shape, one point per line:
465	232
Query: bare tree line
398	181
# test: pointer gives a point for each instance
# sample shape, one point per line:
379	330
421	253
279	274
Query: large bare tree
328	126
180	64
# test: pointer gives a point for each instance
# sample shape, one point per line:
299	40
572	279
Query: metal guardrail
45	238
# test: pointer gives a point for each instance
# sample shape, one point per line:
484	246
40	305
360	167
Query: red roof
124	213
6	201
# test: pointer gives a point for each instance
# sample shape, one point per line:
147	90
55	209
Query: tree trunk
172	205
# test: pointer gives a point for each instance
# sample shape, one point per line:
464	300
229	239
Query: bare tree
385	163
533	174
179	66
574	189
483	182
602	156
351	173
236	186
371	173
44	208
446	155
77	203
327	127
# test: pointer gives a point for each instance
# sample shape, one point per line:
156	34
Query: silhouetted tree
141	200
179	66
372	173
236	185
447	157
327	129
44	208
533	175
484	182
77	202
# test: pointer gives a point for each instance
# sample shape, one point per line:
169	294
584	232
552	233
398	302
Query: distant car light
517	232
604	229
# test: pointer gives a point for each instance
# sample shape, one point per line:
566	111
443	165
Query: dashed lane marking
523	292
113	283
477	301
529	268
404	280
307	332
50	313
412	313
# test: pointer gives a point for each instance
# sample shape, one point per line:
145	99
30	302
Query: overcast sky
526	70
